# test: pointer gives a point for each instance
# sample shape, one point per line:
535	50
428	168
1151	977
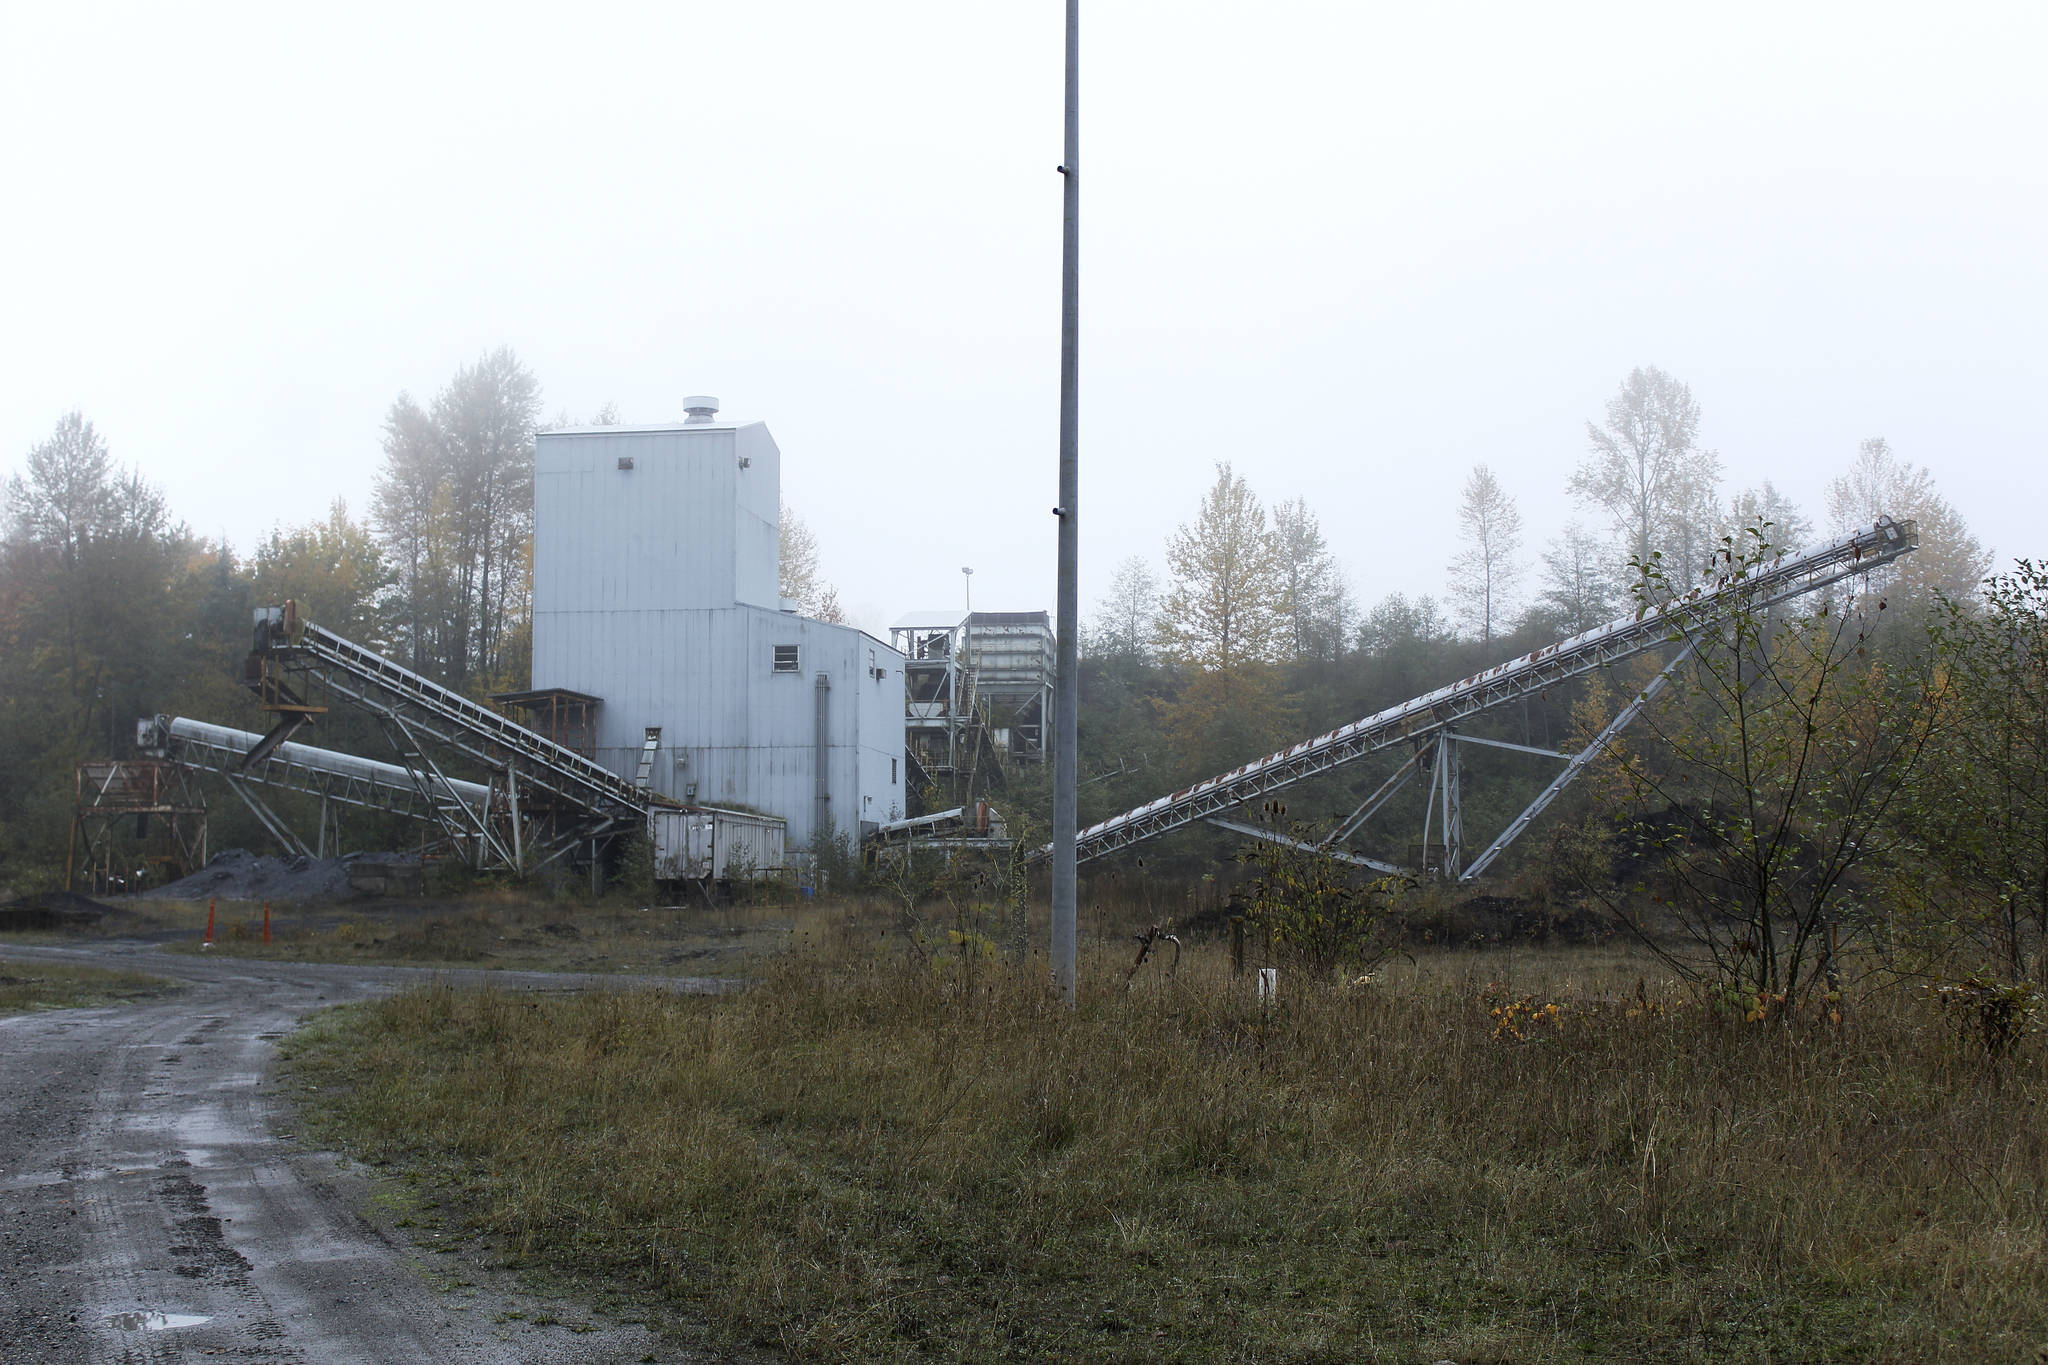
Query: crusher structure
1426	728
542	802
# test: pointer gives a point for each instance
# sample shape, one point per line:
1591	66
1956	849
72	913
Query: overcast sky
1355	249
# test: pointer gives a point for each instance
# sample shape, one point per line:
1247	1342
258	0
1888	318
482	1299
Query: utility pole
1066	809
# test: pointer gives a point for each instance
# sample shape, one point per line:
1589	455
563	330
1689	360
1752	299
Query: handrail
479	731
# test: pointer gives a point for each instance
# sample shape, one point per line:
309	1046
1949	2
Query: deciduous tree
1949	560
1644	466
1760	782
1764	506
453	505
1315	599
486	418
92	549
1579	590
1485	572
335	570
1124	619
1982	808
801	578
1224	606
90	638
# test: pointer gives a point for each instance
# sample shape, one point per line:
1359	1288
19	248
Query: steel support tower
546	801
1428	725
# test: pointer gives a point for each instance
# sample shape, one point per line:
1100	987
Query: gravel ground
150	1211
237	874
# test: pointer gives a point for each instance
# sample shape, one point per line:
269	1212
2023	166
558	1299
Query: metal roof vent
701	407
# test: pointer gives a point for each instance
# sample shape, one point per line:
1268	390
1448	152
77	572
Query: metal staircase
1428	724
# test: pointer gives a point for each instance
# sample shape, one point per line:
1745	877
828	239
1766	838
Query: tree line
1250	636
1853	781
1244	586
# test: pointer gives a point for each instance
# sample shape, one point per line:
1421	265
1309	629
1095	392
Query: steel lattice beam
373	683
1422	718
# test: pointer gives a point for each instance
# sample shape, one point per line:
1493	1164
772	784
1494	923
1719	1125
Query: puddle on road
154	1322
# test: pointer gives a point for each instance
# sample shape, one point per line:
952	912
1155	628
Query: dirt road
150	1211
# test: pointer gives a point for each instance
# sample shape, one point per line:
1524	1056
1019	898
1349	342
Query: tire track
140	1175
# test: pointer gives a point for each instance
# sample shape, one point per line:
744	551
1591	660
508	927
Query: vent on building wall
786	660
625	461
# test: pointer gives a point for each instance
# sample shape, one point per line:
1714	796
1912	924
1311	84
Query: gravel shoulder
152	1211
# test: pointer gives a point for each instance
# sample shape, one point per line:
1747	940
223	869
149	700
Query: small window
785	659
892	772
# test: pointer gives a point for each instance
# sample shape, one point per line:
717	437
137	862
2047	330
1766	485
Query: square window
785	659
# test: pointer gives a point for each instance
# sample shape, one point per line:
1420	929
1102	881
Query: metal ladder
650	745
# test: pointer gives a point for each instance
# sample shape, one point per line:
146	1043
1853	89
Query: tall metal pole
1066	807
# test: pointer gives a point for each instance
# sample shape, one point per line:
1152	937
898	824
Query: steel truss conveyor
545	801
337	779
1428	724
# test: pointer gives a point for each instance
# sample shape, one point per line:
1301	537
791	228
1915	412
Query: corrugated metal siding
757	516
658	535
636	575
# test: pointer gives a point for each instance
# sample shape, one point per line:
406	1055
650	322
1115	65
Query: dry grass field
514	930
892	1152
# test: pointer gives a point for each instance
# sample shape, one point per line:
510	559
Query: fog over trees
1645	468
803	580
1241	633
454	510
1485	573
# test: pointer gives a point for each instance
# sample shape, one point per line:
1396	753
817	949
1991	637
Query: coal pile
55	910
237	874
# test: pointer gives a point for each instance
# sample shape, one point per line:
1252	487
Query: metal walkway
1428	723
544	800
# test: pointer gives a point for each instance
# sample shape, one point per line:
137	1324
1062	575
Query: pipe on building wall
821	820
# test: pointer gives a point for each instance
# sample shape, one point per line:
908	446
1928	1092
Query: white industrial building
656	566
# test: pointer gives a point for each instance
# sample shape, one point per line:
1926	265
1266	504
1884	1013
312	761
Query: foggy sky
1354	249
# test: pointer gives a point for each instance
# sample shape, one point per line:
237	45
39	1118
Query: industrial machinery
541	802
336	778
543	798
1427	727
155	796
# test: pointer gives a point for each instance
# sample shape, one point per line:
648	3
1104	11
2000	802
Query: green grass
878	1156
28	986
